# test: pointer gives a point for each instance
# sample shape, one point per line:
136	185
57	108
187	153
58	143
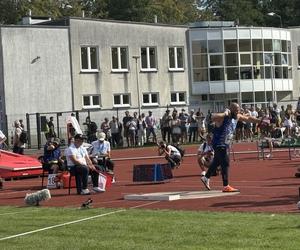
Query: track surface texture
265	185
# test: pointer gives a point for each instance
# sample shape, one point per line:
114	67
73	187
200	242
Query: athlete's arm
246	118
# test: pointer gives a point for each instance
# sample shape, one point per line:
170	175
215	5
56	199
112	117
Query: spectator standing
193	128
105	128
18	145
51	133
183	117
175	128
141	128
132	129
166	126
150	123
126	119
115	127
91	129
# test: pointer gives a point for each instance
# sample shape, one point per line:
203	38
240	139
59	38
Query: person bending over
171	153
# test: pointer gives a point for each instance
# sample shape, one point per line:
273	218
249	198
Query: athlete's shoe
230	189
205	181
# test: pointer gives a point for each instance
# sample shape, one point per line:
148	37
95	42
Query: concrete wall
104	35
295	35
36	72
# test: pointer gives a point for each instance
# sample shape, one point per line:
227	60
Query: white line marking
19	212
73	222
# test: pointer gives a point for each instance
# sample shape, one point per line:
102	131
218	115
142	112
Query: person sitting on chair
172	154
79	163
52	157
100	154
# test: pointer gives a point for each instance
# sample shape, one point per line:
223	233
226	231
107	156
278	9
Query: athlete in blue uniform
225	124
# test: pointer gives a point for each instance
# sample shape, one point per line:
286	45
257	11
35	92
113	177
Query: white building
102	68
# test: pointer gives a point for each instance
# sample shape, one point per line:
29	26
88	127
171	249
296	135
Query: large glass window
231	59
257	45
278	72
148	56
257	59
119	58
246	72
277	45
245	45
258	72
199	46
216	60
284	59
245	59
216	74
285	73
268	58
232	73
89	58
215	46
230	45
268	73
283	46
200	61
200	75
277	59
268	45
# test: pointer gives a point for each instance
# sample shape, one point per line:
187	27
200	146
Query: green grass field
145	229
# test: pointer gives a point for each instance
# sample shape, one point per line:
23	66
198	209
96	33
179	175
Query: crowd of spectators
181	127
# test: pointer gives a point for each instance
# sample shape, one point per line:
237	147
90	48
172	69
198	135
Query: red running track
265	185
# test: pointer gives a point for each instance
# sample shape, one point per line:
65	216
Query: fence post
28	130
38	129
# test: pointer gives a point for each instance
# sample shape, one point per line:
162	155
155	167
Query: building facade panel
36	70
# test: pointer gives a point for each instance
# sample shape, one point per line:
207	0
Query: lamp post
274	99
276	15
137	82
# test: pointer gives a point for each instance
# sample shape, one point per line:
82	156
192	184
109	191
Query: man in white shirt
79	163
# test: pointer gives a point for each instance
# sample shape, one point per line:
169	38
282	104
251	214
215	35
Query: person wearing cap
52	161
79	163
100	154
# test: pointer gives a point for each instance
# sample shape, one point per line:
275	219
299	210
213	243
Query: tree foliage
245	12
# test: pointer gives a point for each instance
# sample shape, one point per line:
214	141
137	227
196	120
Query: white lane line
72	222
19	212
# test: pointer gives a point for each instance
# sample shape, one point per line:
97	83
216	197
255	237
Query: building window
119	57
200	75
231	59
230	45
176	58
215	46
232	73
178	98
91	101
245	59
150	99
148	57
89	58
257	45
121	100
216	60
216	74
245	45
199	46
